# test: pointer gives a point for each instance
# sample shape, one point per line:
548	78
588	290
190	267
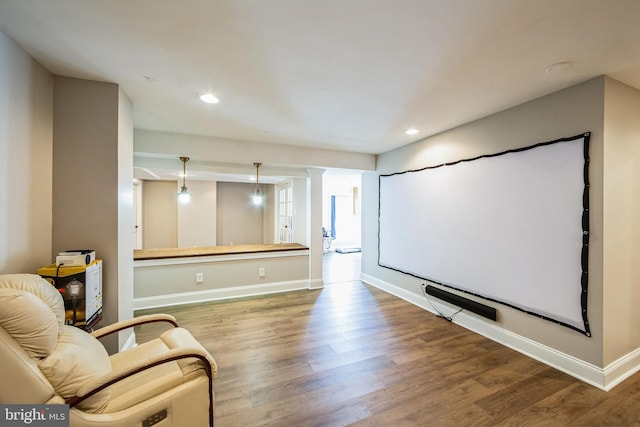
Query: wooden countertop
163	253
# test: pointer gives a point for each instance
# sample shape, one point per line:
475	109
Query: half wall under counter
171	276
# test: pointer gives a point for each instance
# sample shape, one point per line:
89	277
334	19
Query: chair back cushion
21	379
32	314
29	321
38	286
77	359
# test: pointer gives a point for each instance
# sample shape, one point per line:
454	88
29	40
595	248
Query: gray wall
69	185
239	221
219	213
166	223
92	185
26	144
621	217
159	214
197	219
220	273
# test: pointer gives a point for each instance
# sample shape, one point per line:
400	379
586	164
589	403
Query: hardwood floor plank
340	377
406	386
510	370
514	398
445	404
620	408
560	408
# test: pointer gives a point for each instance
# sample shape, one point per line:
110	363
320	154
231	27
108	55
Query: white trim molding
316	284
218	294
219	258
621	369
604	379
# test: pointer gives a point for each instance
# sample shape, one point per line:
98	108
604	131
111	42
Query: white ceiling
342	74
166	167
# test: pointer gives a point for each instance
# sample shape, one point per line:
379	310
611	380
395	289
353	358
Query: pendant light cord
184	173
257	165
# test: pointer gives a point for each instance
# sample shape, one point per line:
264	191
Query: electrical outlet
261	272
199	277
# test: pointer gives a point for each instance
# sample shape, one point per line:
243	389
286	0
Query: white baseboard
219	294
622	369
604	379
316	284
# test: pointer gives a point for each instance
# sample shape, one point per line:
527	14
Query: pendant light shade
257	195
183	195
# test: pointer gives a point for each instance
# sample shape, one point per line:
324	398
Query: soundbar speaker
467	304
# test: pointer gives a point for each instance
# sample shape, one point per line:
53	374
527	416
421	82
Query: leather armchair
164	382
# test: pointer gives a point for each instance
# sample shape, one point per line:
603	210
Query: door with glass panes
285	212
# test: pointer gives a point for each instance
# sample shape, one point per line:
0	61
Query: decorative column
314	212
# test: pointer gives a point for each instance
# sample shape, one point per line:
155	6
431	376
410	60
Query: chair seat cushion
160	378
146	384
78	358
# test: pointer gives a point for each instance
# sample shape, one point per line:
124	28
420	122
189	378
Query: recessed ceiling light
412	131
558	67
209	98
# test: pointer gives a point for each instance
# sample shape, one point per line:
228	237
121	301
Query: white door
285	212
137	214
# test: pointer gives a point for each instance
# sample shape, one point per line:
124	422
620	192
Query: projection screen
510	227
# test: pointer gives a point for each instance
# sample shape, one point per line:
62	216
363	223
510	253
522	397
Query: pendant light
184	196
257	195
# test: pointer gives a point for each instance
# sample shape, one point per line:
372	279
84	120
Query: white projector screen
510	227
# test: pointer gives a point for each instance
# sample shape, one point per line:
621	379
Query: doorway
341	227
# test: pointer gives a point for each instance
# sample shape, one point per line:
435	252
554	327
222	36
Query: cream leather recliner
163	382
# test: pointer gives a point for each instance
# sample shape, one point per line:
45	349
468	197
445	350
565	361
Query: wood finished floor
350	354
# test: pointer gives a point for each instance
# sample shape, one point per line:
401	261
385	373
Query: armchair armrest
98	384
130	323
